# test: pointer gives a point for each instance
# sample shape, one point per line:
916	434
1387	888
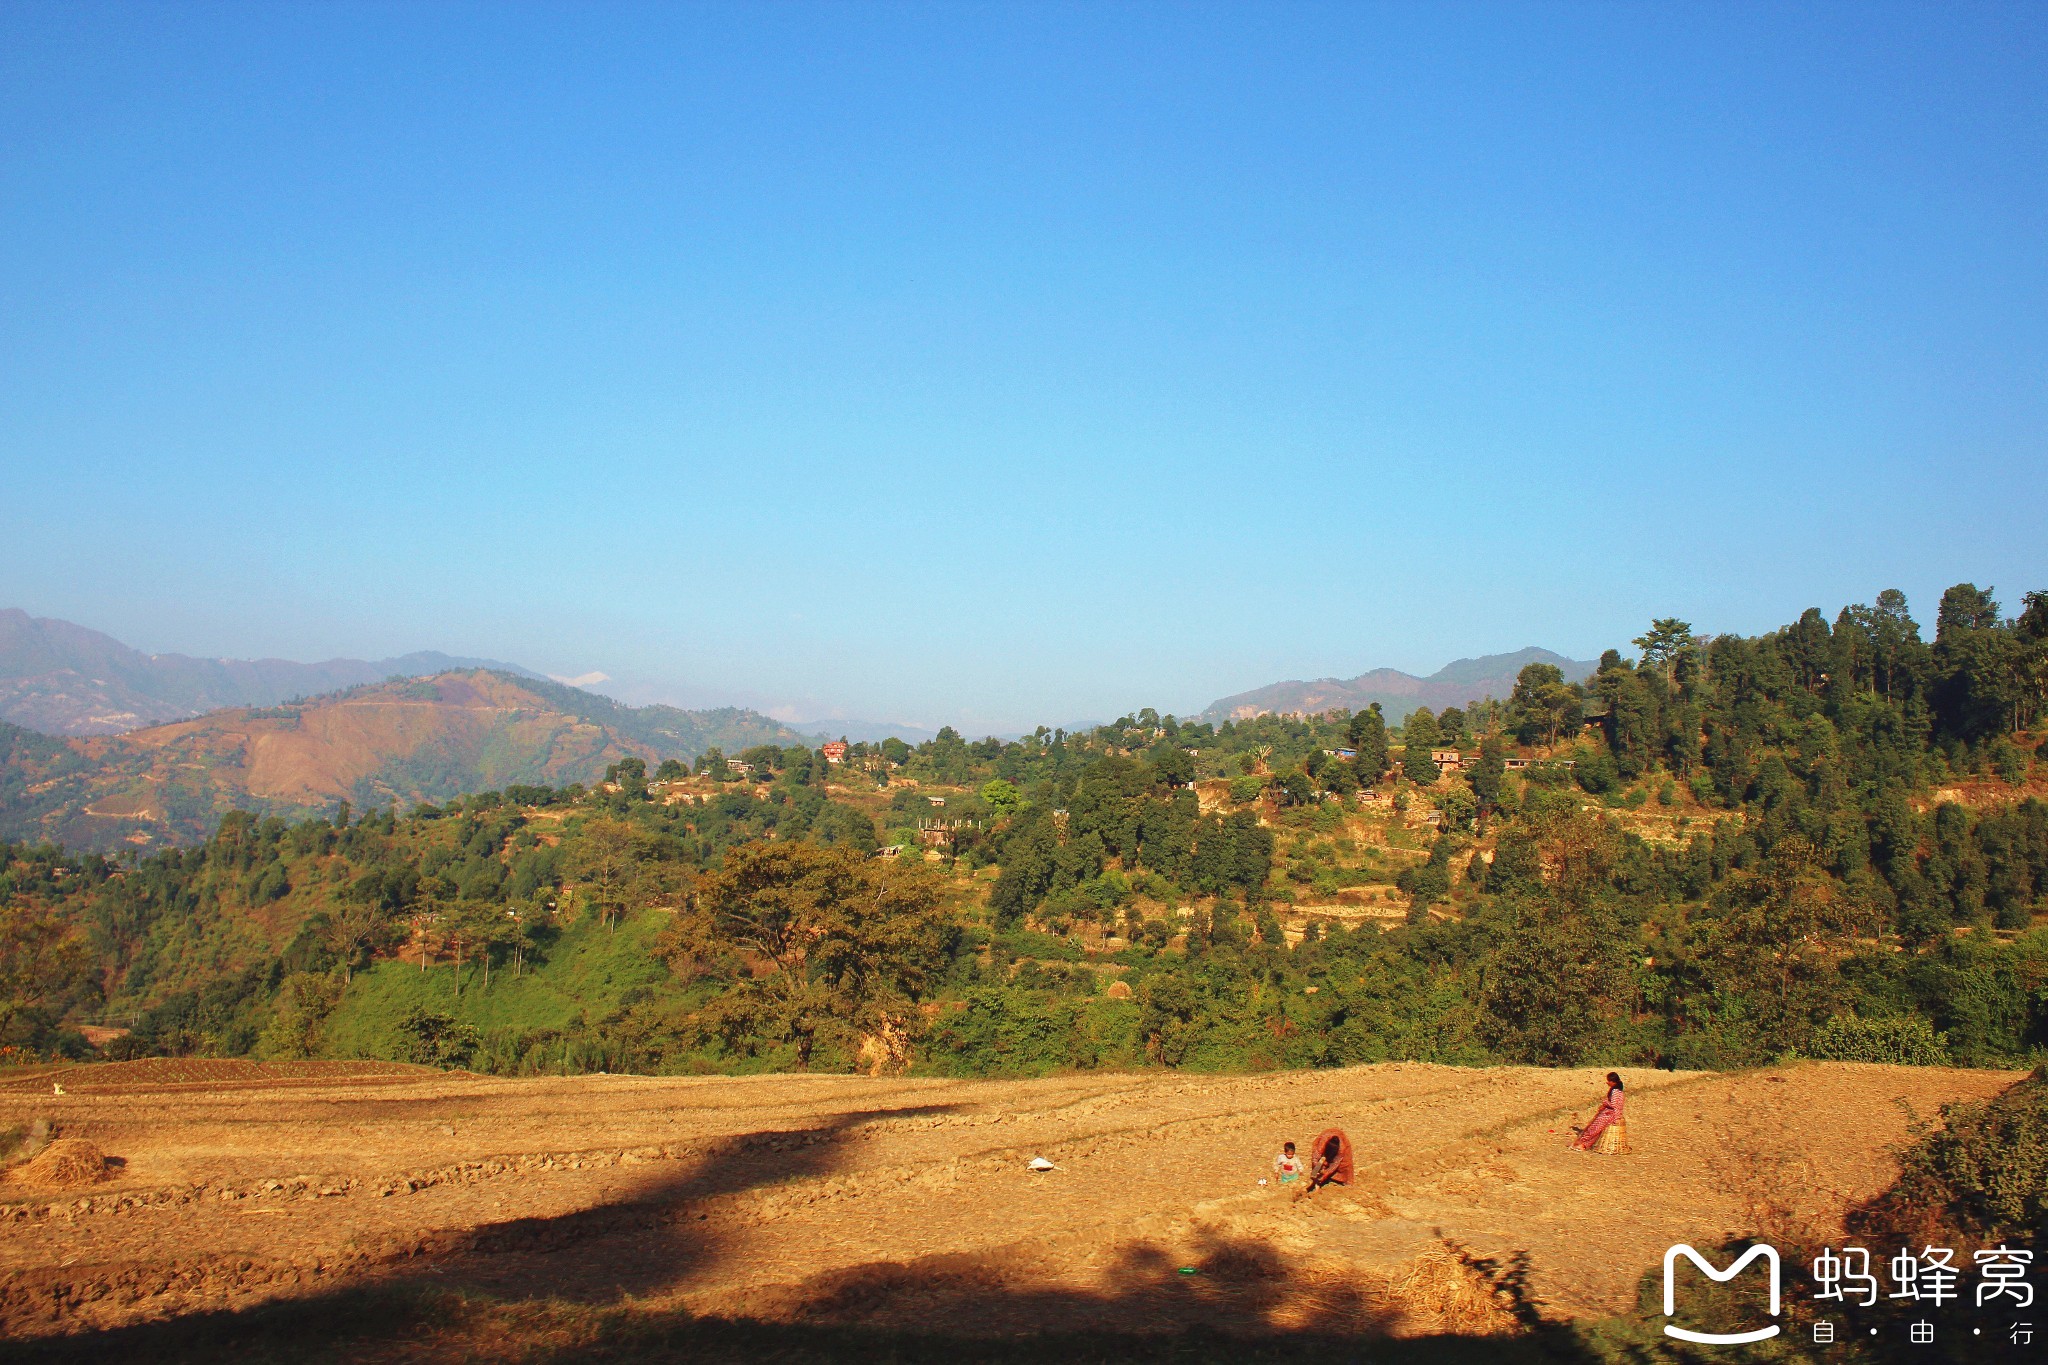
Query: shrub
437	1039
1903	1039
1457	805
1596	775
2009	761
1985	1173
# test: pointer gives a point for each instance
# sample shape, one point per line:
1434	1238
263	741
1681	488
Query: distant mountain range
869	730
405	741
1455	684
65	679
103	746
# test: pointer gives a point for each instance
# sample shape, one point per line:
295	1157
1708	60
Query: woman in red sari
1329	1159
1607	1117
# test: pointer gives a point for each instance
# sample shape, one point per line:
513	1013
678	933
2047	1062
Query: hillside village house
834	750
942	833
1447	758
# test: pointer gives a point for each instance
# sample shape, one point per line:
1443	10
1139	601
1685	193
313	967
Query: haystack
65	1164
1445	1292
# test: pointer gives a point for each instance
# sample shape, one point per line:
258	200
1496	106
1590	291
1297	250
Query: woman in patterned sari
1606	1131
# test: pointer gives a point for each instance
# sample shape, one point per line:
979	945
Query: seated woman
1329	1160
1606	1130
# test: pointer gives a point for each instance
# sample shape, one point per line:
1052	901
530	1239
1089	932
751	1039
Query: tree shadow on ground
421	1324
656	1224
653	1237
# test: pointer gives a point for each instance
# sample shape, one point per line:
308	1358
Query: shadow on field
543	1291
414	1322
649	1240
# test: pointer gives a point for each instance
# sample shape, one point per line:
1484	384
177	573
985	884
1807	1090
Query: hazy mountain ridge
871	731
1458	683
402	742
61	678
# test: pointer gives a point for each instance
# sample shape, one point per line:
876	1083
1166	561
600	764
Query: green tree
1171	764
1544	704
1001	797
1663	642
1775	943
1965	607
1517	866
1367	734
1550	991
1338	777
1981	666
845	942
353	931
304	1000
2032	631
436	1039
1895	644
608	854
1489	776
1417	765
631	775
1420	729
1428	882
1456	805
45	966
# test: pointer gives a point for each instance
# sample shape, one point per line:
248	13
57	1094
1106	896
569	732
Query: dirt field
908	1203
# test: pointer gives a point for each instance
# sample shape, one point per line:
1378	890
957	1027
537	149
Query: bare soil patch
150	1073
909	1203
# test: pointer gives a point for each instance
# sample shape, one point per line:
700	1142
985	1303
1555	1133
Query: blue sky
998	365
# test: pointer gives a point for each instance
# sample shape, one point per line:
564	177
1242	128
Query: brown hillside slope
405	741
320	753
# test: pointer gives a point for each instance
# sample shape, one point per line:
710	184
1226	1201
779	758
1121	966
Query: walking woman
1606	1133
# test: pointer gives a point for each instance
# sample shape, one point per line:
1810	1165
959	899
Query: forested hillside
403	741
1831	840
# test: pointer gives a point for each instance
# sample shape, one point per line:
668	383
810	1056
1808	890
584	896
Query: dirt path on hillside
909	1201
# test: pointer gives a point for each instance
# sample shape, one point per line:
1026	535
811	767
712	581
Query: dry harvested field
907	1205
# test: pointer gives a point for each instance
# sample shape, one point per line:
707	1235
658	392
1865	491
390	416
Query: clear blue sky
998	364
